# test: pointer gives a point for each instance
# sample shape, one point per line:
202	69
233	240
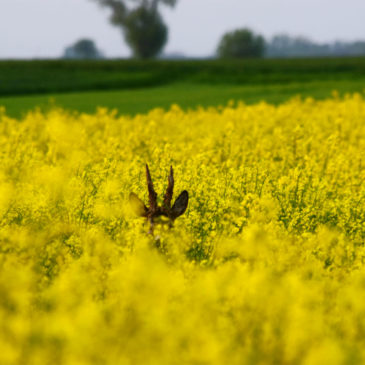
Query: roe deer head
166	210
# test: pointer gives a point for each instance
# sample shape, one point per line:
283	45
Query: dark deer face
166	210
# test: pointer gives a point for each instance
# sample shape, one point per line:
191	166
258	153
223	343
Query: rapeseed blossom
266	266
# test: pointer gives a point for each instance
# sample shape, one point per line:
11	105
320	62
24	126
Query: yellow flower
266	265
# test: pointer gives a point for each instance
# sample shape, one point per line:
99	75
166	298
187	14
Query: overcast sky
43	28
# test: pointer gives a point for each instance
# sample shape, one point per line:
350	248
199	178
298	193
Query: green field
134	86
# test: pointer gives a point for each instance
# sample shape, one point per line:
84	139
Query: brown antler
154	211
169	191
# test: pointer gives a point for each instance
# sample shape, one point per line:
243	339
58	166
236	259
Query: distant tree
280	43
83	49
143	27
145	32
356	48
241	43
284	45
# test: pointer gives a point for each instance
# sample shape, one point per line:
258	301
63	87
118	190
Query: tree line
244	43
146	34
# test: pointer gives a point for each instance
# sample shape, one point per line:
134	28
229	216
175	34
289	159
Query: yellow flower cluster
267	265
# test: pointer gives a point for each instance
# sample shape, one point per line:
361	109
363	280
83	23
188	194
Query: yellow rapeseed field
266	266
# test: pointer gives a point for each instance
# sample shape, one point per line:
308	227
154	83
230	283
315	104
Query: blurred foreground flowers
266	266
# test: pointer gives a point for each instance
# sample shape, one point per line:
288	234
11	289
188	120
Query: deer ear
137	205
180	205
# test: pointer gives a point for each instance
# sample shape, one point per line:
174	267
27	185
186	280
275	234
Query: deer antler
169	191
154	210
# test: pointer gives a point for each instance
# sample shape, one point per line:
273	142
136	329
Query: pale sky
43	28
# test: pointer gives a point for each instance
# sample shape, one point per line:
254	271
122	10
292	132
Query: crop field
135	87
266	266
55	76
